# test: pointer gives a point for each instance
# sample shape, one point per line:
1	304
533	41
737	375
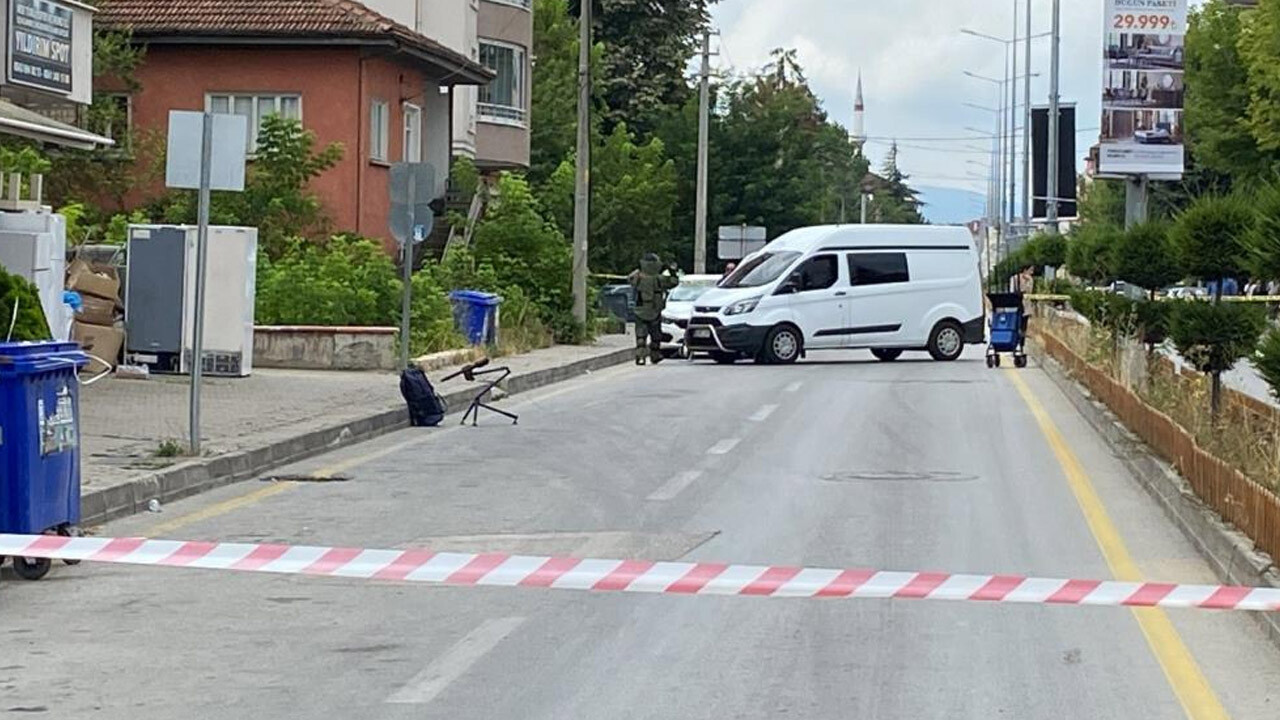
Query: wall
504	145
337	86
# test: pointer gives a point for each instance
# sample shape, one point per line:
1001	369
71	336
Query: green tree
633	194
1215	336
1209	236
1144	256
1102	202
1262	242
1220	115
647	48
1260	50
526	250
895	201
1044	250
1089	252
554	106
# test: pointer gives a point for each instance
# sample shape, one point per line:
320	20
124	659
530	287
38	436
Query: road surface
839	463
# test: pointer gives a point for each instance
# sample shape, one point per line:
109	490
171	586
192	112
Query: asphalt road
842	463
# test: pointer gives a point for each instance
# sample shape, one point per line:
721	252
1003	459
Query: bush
30	323
431	326
345	281
1267	361
1089	251
1144	256
1208	237
1262	242
1213	337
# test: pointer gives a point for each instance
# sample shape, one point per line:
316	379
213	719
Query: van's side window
878	268
819	273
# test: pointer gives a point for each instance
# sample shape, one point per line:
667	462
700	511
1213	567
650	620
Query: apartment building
490	123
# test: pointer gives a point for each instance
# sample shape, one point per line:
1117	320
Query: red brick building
349	74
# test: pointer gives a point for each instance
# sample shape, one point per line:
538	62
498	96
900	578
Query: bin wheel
73	531
31	568
1020	361
991	361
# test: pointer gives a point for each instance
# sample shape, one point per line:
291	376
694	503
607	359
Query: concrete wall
325	348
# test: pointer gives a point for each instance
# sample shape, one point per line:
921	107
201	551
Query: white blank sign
186	136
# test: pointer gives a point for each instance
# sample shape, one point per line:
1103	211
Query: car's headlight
742	307
668	320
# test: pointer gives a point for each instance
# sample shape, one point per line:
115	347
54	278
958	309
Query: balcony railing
526	4
503	114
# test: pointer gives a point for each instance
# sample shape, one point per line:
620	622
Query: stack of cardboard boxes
98	326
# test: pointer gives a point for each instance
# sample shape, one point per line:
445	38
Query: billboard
1143	88
40	40
1066	161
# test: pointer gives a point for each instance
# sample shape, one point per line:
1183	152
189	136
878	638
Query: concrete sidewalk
252	424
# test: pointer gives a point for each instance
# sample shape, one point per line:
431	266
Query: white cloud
912	55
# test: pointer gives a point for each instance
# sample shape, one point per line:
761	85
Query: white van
889	288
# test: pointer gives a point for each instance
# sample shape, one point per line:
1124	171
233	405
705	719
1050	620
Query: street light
1011	47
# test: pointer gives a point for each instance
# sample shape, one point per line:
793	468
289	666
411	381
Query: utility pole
1026	133
582	193
704	130
1013	121
1051	214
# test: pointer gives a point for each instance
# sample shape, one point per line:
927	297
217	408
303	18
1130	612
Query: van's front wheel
946	342
782	346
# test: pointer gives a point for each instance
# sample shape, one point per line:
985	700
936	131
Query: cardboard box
103	342
95	280
97	311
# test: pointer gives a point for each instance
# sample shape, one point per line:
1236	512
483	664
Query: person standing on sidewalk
651	283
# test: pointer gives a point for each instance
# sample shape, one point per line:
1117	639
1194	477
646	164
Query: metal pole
1026	132
1051	214
1004	155
406	301
863	212
704	122
582	193
1135	201
202	262
1013	120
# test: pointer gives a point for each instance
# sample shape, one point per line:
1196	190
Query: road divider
639	576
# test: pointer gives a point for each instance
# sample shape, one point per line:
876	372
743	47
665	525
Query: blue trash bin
476	315
39	437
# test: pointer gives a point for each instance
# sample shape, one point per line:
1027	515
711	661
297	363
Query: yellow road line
1189	684
328	471
218	509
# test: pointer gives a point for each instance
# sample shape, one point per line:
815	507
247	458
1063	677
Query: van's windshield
761	270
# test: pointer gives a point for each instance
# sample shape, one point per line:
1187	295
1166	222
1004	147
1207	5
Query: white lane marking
763	413
794	387
724	447
426	685
675	486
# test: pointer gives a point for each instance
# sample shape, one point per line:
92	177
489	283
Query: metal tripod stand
471	372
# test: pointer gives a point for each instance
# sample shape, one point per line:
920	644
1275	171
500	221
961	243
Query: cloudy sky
912	54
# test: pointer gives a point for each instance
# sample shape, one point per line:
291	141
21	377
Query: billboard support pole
1135	200
1051	207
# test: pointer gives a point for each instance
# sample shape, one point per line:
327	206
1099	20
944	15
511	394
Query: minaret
859	117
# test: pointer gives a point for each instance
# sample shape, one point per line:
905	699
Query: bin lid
32	357
475	297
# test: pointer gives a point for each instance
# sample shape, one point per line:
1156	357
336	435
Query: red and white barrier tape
677	578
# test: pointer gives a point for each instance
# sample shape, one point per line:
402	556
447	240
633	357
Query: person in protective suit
651	283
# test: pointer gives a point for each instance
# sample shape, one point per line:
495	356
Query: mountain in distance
949	206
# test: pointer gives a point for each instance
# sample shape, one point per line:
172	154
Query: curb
1229	552
197	476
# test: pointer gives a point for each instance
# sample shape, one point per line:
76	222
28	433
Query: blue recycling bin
39	436
476	315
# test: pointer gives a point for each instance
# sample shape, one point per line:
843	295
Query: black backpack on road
426	407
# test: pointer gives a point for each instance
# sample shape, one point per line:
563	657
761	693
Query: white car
675	318
887	288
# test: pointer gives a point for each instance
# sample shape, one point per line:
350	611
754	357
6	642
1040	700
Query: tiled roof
294	19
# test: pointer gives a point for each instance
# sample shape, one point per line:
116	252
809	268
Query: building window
255	107
379	130
412	133
117	118
503	99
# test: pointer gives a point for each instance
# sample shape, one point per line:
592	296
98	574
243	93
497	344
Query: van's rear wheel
946	342
886	354
782	346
